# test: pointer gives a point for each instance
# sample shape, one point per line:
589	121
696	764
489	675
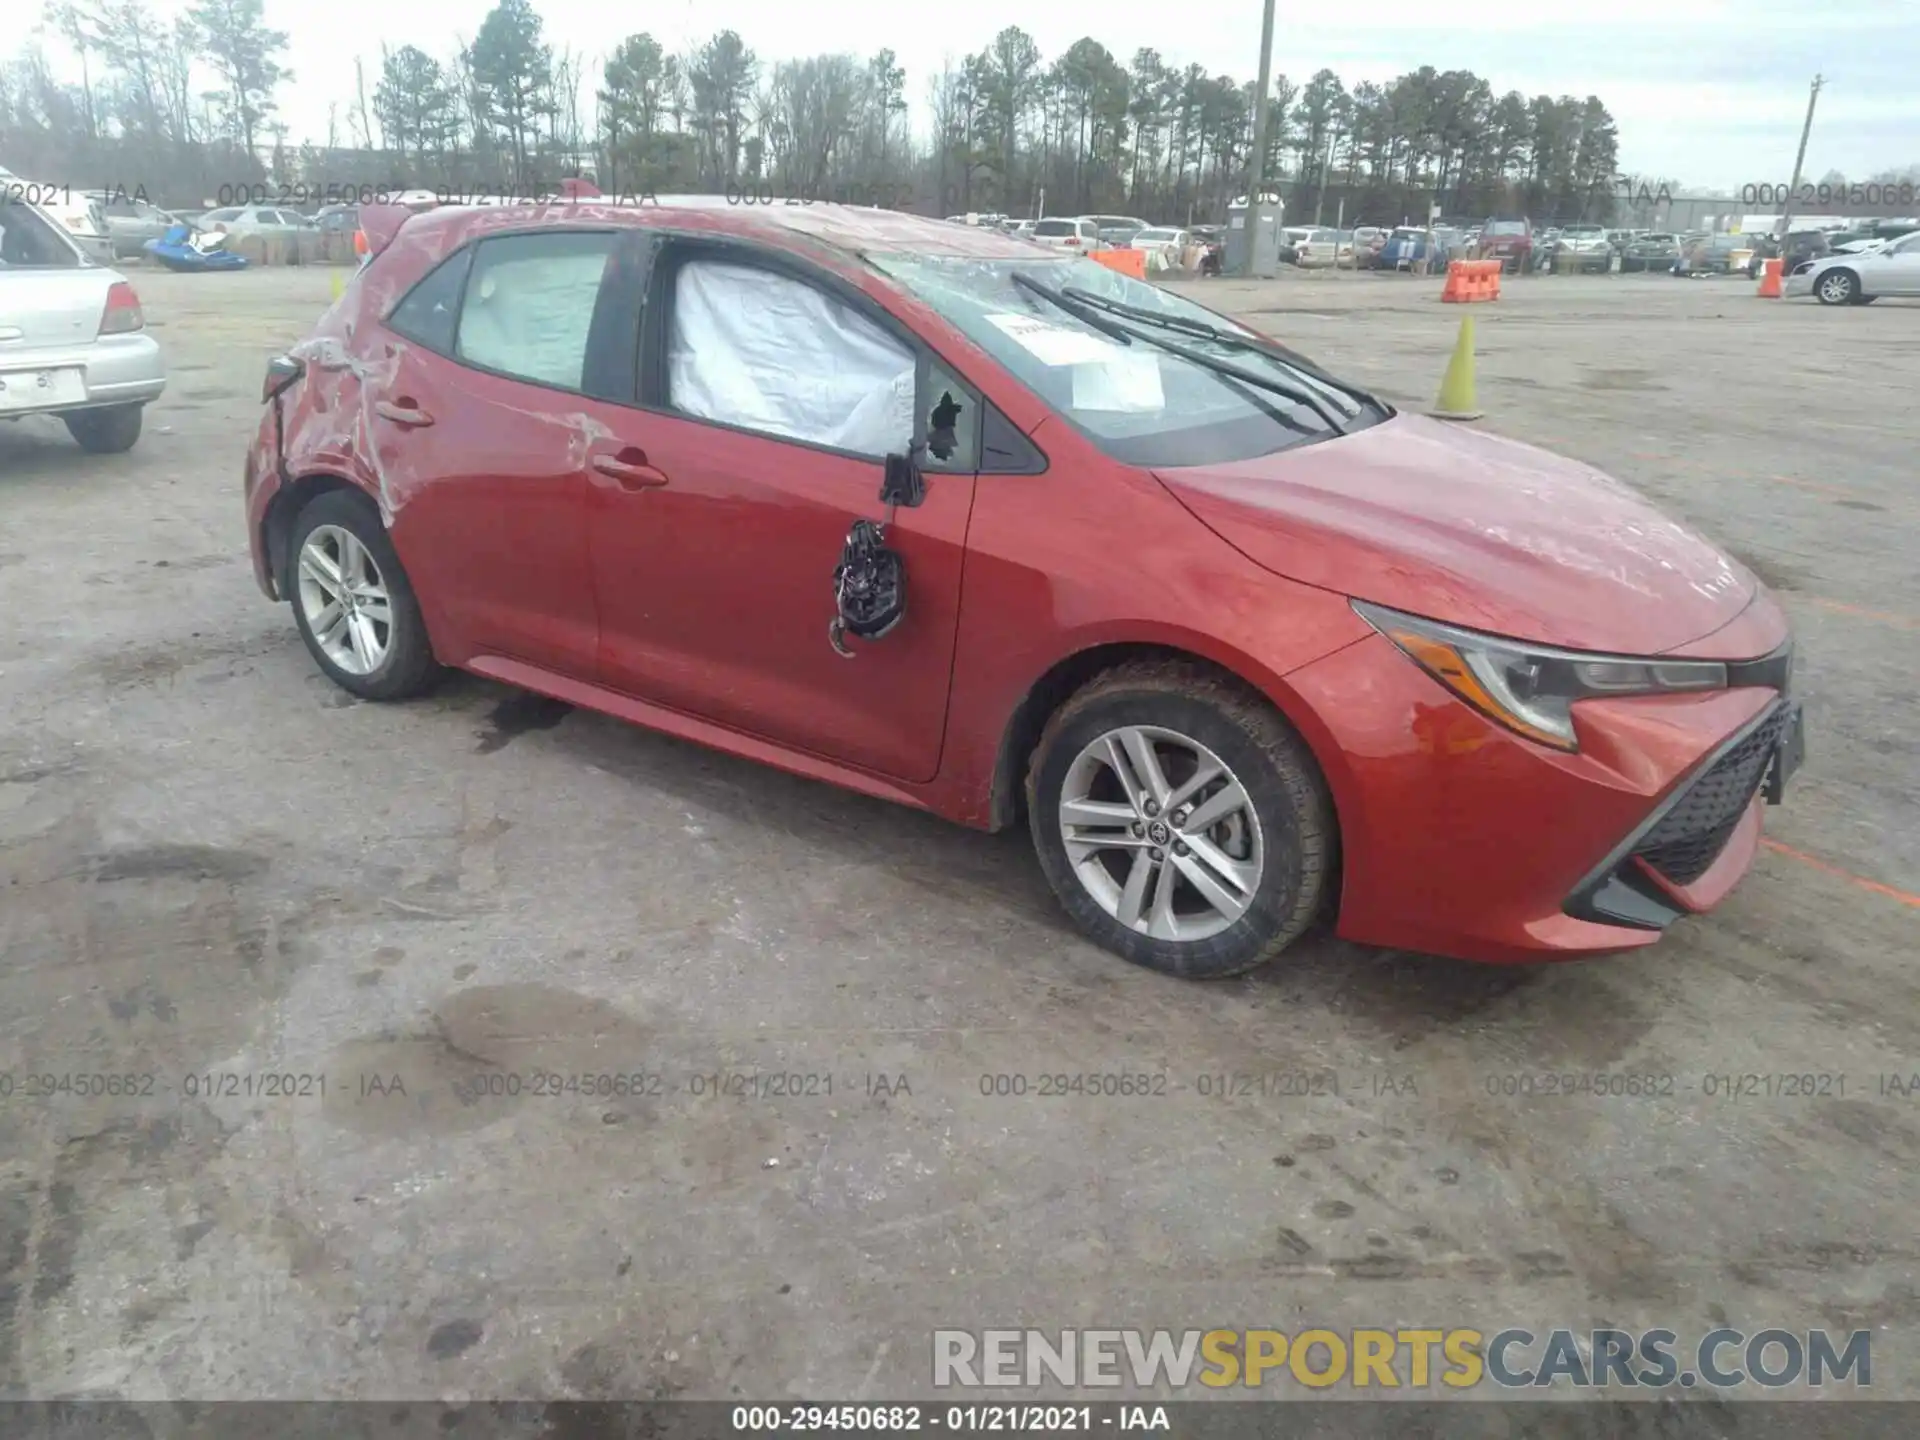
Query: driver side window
752	347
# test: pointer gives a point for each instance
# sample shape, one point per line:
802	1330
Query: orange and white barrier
1127	262
1472	280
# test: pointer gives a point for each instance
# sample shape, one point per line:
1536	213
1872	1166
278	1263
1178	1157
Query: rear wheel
1180	820
111	430
352	601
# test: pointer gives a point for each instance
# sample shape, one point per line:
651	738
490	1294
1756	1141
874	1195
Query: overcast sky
1711	91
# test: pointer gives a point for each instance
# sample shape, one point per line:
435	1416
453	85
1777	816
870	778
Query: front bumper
1460	838
1699	840
1795	286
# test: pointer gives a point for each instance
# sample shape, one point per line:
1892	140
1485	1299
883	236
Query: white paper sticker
1053	345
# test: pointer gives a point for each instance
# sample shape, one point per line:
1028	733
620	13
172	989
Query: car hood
1473	529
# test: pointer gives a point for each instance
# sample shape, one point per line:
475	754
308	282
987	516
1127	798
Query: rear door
483	398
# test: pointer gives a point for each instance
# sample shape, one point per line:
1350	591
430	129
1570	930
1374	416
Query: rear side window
430	313
1054	227
29	242
529	305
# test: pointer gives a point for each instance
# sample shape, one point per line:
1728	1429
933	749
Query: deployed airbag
754	348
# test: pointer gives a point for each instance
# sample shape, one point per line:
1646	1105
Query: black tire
1837	287
409	668
1289	796
111	430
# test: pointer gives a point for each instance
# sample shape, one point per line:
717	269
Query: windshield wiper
1200	329
1069	300
1052	296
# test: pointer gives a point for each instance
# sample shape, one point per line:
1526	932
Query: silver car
1065	233
1586	248
73	340
288	224
132	222
1893	269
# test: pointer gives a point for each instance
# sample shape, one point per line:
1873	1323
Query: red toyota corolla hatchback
938	516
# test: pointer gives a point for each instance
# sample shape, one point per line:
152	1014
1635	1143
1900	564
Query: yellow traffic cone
339	286
1456	400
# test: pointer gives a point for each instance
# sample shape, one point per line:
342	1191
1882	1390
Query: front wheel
353	603
1180	820
111	430
1838	287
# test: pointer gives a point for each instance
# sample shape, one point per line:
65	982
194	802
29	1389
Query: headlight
1530	689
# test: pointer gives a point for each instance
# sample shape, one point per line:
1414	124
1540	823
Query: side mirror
904	484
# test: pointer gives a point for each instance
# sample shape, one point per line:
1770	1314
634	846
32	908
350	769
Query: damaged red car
922	511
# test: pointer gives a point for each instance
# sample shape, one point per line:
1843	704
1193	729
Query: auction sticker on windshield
1053	344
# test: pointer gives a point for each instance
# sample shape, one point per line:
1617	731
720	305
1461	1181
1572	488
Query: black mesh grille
1690	836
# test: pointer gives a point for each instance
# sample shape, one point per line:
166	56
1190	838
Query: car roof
853	231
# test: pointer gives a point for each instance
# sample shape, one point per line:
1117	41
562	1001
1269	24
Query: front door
718	509
1898	270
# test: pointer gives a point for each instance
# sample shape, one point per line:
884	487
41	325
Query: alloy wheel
344	599
1161	833
1837	287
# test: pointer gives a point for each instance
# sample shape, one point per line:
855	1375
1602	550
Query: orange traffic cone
1770	279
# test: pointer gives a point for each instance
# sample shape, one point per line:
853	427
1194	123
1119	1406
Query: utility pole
1320	191
1786	220
1256	164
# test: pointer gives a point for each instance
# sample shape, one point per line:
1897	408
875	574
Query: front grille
1690	836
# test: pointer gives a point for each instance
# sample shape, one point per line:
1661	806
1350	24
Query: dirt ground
213	863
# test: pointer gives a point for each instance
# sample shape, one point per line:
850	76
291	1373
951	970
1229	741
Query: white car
287	223
1067	234
1893	269
81	214
1161	236
1165	247
73	340
1320	246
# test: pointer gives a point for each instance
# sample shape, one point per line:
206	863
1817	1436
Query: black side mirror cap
282	371
904	484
